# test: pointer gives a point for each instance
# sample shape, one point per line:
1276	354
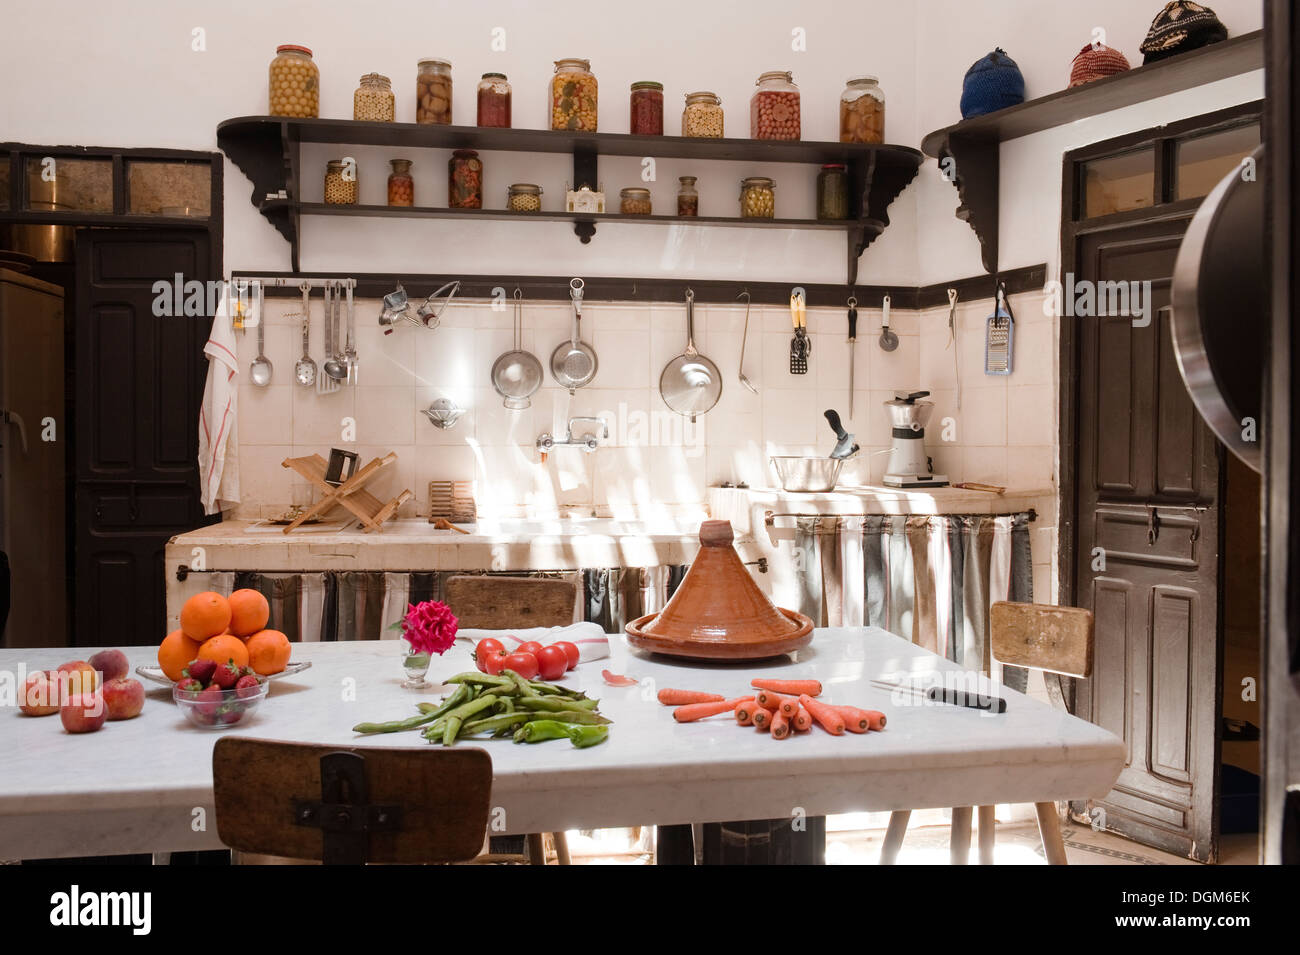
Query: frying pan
690	383
517	374
573	363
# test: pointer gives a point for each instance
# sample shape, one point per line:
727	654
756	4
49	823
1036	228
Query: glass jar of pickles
494	101
774	107
862	111
373	100
833	191
524	197
433	92
702	116
757	198
401	187
573	96
688	198
293	83
634	201
647	109
341	182
465	180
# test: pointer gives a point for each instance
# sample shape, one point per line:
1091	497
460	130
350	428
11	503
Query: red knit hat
1093	63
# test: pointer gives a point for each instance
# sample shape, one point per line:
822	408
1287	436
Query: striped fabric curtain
615	596
298	601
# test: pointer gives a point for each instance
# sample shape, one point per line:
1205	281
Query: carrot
745	714
698	711
789	707
794	687
859	721
830	719
762	718
682	697
770	700
802	720
780	726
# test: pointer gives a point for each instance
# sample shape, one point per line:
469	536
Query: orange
224	647
175	653
249	612
205	615
268	652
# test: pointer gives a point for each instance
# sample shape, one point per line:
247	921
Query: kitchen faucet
588	442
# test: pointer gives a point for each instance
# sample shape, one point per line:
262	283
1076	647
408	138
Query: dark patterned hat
1093	63
1179	27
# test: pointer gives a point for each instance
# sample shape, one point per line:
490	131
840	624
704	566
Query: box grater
999	339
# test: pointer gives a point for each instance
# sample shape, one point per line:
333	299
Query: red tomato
570	652
493	663
532	646
552	663
525	664
487	648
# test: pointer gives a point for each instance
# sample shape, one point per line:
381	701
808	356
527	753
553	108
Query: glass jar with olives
293	83
757	198
433	92
833	191
494	101
401	187
634	201
373	100
574	95
465	180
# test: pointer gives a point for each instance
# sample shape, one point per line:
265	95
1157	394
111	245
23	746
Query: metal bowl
807	474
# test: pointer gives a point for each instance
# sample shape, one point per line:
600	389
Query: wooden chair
1036	637
489	602
349	805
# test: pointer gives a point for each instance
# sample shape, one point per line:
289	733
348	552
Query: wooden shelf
973	144
268	150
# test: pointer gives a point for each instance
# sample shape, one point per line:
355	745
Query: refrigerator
33	437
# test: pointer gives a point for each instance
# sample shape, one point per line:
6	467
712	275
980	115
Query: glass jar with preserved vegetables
757	198
574	95
293	84
833	191
862	111
634	201
373	100
524	197
465	180
702	116
433	92
774	107
647	109
688	199
341	182
401	187
494	101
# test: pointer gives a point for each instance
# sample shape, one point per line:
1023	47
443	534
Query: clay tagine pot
719	612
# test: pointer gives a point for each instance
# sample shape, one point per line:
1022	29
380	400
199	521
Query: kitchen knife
844	446
853	338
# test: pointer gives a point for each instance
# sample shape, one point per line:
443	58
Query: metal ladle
259	373
335	367
305	370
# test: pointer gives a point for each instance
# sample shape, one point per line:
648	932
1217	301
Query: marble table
145	785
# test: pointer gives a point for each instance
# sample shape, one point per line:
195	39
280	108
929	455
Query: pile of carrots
781	707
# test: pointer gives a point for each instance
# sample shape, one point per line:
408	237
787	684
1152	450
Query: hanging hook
853	301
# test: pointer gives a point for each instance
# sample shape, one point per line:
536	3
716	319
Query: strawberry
226	675
247	686
201	670
247	671
230	713
210	701
190	685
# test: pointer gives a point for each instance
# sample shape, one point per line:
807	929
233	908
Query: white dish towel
218	430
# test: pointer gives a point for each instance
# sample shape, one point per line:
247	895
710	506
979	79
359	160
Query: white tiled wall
654	462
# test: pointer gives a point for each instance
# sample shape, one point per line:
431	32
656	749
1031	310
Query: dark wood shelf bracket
971	163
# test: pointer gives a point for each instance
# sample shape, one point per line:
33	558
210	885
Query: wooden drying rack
367	508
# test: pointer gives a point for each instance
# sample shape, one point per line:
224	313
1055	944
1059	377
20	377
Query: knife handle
853	324
833	417
975	701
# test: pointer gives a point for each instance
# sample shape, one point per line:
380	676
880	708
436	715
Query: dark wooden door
139	384
1147	558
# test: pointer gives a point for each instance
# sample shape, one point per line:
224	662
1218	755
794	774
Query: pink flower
429	627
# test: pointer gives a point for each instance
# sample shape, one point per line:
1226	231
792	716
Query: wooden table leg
1049	830
898	820
536	849
987	822
959	840
561	848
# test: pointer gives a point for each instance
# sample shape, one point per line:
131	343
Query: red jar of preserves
401	187
774	107
494	101
465	180
647	117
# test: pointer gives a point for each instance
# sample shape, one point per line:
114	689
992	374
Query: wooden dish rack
351	494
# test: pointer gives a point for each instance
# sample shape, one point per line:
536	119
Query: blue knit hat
992	83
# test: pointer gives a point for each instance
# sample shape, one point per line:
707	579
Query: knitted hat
993	82
1179	27
1092	64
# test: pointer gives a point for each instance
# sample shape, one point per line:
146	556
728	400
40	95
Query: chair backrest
486	602
1042	637
342	804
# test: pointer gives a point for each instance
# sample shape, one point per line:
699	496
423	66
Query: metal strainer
517	374
573	363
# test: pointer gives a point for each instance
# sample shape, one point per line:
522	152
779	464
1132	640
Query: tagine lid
719	611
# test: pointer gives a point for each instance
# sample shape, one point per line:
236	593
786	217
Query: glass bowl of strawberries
217	695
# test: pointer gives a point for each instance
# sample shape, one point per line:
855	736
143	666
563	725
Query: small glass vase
416	666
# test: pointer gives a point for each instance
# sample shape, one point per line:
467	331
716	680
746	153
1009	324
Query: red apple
40	695
77	677
112	664
123	698
83	713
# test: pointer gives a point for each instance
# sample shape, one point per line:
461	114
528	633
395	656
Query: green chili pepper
539	730
584	736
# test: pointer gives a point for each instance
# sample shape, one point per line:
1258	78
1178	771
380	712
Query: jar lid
434	62
334	164
464	154
375	78
583	64
865	80
835	166
647	85
398	162
775	75
292	48
686	180
760	181
703	96
494	76
634	192
525	189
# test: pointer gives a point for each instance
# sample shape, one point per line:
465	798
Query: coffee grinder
909	465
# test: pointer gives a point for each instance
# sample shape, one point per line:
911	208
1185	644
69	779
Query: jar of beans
634	202
862	111
774	107
294	83
833	191
494	101
465	180
524	197
433	92
688	199
401	187
757	198
647	117
573	96
373	101
702	117
341	182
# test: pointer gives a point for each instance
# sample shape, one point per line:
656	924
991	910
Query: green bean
474	676
552	703
500	721
396	726
578	716
525	688
450	730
